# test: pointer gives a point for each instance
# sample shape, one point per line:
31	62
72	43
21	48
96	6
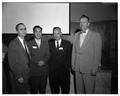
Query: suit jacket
38	54
18	59
60	59
88	57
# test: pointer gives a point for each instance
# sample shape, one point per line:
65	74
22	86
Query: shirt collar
58	41
37	39
21	40
86	32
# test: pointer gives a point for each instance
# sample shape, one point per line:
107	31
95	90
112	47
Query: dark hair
18	25
56	28
37	26
84	16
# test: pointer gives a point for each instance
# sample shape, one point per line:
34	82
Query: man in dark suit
18	57
59	64
39	51
86	57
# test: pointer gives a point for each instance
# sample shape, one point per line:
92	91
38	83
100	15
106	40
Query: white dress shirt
82	37
59	42
38	41
21	40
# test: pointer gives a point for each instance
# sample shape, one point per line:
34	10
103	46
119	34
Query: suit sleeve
97	51
73	53
13	60
69	53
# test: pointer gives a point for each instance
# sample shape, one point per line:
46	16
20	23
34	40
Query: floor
102	85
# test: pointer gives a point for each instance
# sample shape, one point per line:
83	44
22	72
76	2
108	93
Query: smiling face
57	34
21	29
38	33
84	24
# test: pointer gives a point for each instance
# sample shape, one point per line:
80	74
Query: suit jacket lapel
41	44
86	40
35	43
62	43
20	45
54	47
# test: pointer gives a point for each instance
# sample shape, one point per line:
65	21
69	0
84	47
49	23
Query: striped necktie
25	45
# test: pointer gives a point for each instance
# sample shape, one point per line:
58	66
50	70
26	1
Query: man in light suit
39	51
18	57
86	57
59	63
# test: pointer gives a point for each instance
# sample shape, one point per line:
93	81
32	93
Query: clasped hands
41	63
21	80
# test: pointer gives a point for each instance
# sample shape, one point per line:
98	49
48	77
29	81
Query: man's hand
73	67
3	56
72	70
21	80
41	63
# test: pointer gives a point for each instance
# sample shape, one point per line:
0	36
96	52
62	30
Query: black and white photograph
59	47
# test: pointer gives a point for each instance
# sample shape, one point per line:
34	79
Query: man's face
21	30
84	23
38	33
57	34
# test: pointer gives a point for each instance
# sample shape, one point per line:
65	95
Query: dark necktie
57	45
26	50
